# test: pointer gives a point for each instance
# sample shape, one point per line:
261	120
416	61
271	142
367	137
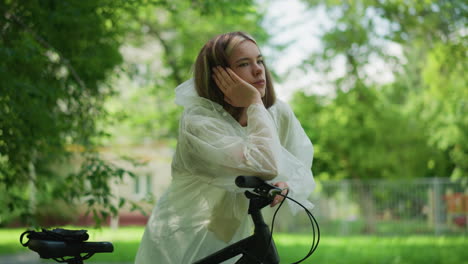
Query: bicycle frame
259	248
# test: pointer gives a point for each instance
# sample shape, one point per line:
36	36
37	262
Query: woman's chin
262	93
261	90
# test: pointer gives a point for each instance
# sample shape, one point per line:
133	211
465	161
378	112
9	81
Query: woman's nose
257	69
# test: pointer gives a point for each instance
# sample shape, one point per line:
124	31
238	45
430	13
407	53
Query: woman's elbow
264	164
267	176
270	171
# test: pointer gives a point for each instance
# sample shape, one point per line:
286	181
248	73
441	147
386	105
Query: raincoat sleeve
220	150
296	157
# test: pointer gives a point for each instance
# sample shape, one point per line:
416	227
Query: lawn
291	247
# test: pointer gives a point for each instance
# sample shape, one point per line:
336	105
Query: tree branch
168	53
63	60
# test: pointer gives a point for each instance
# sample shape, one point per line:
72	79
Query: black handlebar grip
249	182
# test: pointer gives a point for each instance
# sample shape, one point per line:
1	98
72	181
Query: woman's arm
219	148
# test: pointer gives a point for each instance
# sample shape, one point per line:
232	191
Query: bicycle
258	248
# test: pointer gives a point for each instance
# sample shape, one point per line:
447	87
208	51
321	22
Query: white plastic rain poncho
203	211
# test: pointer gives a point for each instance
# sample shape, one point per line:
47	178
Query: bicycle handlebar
249	182
261	187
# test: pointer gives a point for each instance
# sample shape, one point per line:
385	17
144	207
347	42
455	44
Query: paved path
33	258
21	258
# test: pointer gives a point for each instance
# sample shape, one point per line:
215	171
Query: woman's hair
216	53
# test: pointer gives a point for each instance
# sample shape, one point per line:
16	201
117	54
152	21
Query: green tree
412	127
429	92
57	57
358	135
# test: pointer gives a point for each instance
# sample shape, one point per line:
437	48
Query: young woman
232	125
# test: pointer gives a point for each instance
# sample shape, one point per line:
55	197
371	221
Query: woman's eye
260	61
243	64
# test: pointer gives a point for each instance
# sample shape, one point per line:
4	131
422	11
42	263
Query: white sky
291	22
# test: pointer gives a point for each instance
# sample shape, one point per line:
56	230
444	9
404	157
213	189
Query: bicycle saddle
59	243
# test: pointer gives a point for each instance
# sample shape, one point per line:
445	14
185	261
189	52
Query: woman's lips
259	83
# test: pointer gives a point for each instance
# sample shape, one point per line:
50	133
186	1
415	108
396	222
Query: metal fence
419	206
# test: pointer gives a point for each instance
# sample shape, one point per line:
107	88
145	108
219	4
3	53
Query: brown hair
216	53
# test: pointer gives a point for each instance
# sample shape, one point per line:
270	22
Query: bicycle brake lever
275	191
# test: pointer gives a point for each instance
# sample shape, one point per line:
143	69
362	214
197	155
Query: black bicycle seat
58	249
60	243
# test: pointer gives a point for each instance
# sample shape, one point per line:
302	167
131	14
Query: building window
143	184
137	184
149	183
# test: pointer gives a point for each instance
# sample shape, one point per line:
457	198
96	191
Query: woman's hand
237	92
278	198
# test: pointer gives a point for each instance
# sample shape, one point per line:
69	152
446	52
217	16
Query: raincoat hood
186	95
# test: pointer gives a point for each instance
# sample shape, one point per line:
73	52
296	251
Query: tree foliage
57	57
413	126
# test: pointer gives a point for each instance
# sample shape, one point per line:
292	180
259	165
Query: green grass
292	247
372	250
9	241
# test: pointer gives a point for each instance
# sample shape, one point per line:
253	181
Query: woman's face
247	62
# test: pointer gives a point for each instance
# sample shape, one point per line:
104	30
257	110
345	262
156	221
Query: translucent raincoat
203	211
